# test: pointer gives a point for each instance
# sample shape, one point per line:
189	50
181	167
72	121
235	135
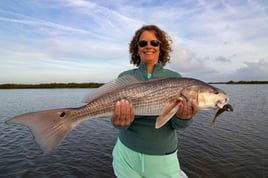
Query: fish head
212	98
207	96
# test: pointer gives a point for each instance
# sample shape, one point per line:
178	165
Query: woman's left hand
187	109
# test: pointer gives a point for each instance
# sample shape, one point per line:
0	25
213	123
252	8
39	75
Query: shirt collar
157	67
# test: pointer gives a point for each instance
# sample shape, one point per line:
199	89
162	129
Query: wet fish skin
160	97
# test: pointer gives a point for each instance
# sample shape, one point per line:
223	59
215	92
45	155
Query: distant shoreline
50	85
94	85
241	82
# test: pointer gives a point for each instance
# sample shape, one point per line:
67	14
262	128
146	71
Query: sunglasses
153	43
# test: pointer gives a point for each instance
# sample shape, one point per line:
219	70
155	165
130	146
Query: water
236	147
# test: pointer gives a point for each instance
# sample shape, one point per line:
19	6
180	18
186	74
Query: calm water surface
236	147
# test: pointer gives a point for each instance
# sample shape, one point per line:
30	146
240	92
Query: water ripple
237	147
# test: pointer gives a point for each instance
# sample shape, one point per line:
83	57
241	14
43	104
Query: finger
132	113
184	107
125	117
189	109
127	111
116	116
117	109
195	106
123	109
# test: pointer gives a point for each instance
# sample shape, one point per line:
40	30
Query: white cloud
213	40
252	71
184	60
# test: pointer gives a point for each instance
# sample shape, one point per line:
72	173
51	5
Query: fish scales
147	99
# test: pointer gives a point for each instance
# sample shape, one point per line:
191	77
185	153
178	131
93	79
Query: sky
45	41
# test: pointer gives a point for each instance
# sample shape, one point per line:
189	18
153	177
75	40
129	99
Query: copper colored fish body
156	97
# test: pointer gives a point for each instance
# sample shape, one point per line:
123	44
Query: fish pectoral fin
48	127
167	113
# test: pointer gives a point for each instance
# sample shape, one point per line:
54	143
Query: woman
141	150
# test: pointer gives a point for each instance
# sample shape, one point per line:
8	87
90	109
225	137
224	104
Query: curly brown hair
162	36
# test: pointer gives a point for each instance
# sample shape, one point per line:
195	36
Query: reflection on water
236	147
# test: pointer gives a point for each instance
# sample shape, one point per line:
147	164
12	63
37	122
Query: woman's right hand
123	113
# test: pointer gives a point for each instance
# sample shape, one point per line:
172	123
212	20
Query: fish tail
48	127
213	122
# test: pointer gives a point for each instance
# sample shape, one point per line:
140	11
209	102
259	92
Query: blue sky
87	41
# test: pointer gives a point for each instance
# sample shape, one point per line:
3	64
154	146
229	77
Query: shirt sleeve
178	123
119	127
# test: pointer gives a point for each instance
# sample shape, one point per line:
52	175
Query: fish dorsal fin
112	86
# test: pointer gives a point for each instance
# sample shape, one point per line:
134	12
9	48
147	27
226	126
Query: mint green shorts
131	164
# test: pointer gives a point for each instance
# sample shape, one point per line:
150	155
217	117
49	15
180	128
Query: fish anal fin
167	113
49	127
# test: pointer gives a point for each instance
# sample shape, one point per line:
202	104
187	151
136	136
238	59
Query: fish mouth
221	103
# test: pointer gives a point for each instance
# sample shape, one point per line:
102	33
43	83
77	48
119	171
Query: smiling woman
157	37
141	150
147	52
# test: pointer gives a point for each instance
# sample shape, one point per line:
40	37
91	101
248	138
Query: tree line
241	82
95	85
50	85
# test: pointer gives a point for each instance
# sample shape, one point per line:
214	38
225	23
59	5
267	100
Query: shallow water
236	147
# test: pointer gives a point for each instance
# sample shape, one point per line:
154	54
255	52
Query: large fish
160	97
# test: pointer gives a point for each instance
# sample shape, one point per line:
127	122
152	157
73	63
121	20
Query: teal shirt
142	136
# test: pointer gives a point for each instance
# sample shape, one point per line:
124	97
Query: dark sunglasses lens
142	43
155	43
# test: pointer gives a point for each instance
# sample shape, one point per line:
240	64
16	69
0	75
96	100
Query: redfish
155	97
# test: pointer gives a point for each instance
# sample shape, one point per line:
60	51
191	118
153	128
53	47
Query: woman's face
149	54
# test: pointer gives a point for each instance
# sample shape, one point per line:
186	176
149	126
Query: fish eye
62	114
216	92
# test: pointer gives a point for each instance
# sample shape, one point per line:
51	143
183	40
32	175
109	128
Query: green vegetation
241	82
94	85
50	85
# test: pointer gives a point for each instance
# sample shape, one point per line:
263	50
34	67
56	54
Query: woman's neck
150	68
